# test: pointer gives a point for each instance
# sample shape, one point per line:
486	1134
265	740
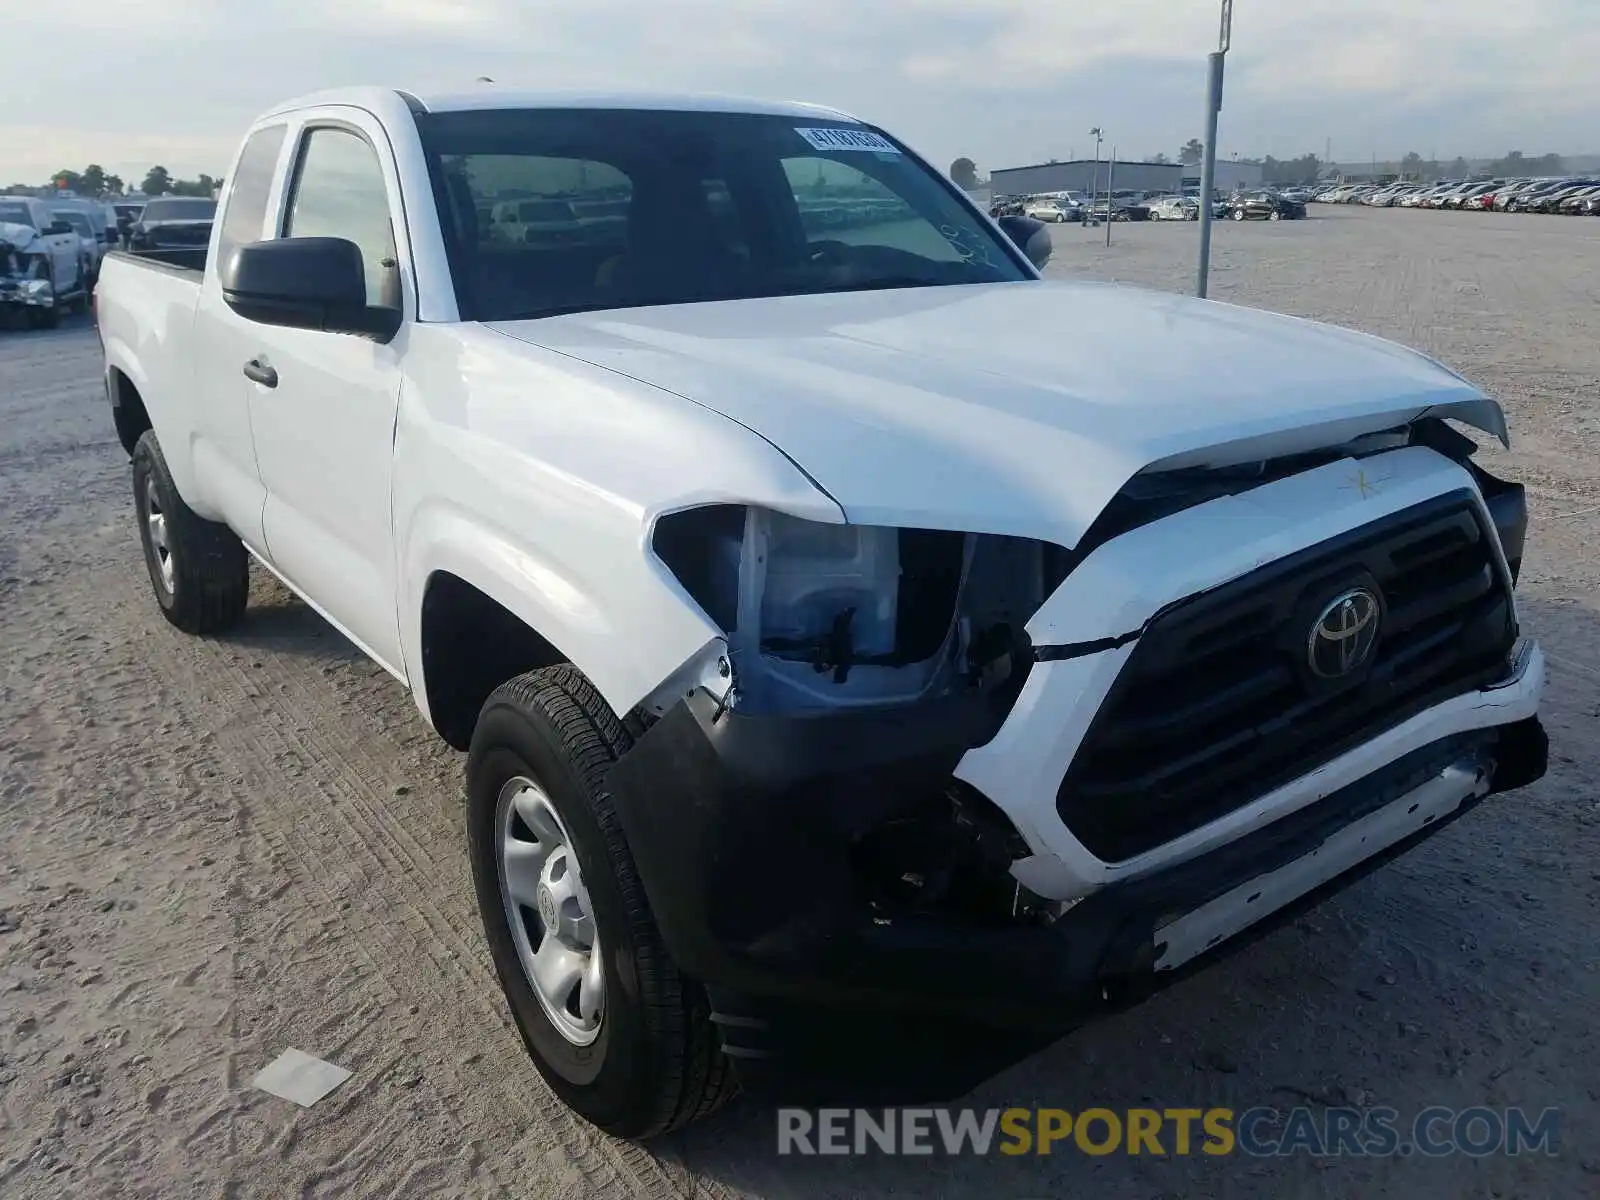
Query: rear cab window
250	191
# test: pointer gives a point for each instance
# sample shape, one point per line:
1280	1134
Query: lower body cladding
851	886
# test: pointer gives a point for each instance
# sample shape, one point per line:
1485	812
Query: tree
1193	151
1290	172
114	185
194	187
67	181
1411	165
94	179
1160	158
1516	163
964	173
1459	168
157	182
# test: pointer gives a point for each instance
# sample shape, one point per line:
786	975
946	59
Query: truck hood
1018	408
20	238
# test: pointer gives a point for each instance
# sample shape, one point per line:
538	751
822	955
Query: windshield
187	208
15	214
77	220
676	207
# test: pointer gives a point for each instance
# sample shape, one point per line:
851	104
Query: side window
339	192
839	203
247	196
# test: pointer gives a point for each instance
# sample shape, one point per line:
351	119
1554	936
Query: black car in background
1263	205
173	223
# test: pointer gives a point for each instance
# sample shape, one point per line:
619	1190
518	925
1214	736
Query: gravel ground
216	849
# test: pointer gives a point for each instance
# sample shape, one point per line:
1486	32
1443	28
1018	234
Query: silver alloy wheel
156	520
548	911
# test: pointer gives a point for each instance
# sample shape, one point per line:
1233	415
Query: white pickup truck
848	629
42	267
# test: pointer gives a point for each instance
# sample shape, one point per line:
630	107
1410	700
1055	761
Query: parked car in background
41	262
1575	202
1262	205
1461	196
1550	202
173	223
1053	211
101	216
1517	199
535	220
1423	197
1175	208
1298	195
1391	196
92	245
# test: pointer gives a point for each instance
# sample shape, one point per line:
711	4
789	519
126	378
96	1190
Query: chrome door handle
259	370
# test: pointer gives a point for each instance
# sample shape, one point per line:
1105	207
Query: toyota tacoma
846	628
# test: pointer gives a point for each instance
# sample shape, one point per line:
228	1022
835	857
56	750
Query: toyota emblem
1343	635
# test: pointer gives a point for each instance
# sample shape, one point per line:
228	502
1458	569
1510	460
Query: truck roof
490	96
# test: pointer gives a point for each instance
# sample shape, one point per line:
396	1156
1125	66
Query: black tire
45	318
656	1063
210	568
80	288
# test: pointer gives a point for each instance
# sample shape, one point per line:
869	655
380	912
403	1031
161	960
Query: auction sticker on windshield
849	139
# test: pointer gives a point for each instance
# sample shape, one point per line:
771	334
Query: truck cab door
323	405
224	451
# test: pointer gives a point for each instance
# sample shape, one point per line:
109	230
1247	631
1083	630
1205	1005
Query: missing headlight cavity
821	615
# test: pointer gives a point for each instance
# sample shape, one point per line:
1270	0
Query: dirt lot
213	850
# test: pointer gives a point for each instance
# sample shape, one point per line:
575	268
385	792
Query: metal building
1230	176
1085	175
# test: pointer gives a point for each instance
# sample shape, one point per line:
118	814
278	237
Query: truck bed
182	261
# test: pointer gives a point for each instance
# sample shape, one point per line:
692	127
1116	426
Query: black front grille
1218	705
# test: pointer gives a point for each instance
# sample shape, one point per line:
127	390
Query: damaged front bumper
743	830
24	292
926	859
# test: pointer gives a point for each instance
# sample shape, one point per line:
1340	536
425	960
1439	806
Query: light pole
1094	180
1208	161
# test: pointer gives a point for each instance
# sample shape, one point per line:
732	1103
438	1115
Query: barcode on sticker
848	139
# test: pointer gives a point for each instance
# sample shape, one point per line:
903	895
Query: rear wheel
617	1032
199	569
1275	215
1238	214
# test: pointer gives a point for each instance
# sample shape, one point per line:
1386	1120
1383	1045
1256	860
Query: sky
1004	82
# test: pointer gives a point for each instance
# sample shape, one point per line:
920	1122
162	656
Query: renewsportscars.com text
1260	1132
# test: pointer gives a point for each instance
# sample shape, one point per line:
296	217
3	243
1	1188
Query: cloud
1004	81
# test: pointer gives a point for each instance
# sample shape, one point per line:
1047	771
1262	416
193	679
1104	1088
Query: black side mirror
1031	237
305	283
58	227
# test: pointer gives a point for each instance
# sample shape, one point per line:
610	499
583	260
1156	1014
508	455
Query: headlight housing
822	615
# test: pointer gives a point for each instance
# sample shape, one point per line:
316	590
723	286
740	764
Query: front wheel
617	1032
1238	214
1275	215
199	569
